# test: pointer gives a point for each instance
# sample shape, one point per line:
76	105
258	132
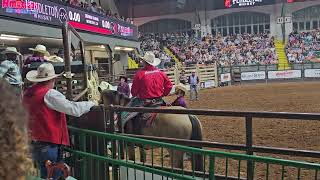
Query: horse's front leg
176	158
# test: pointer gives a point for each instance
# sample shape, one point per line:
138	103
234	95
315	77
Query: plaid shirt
10	72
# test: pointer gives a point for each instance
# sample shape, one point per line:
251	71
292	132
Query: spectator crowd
303	47
240	49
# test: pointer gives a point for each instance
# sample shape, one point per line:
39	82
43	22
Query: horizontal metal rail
237	147
269	160
89	159
254	114
248	118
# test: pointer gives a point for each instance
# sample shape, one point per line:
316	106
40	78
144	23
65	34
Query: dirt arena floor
276	97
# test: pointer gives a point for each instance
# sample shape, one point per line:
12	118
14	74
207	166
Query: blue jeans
43	152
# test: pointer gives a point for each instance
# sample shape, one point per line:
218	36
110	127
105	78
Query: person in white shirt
47	110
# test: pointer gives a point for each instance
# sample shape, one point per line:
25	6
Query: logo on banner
253	75
63	16
240	3
225	77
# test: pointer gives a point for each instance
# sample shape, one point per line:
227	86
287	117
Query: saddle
141	120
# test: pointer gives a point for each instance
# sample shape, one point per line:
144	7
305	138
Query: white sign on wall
280	20
225	77
289	74
209	84
312	73
247	76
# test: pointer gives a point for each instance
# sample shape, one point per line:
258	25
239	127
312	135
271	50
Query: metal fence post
249	151
113	143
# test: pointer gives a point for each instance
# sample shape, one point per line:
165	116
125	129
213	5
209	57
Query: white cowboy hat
105	86
41	49
11	50
45	72
54	58
181	87
151	59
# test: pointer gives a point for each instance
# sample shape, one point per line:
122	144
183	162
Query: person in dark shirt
180	92
123	86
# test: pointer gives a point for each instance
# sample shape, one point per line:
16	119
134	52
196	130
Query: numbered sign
280	20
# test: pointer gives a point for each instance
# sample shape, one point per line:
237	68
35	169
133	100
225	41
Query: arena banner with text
47	12
288	74
225	77
247	76
246	3
311	73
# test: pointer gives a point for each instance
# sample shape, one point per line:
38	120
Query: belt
152	100
38	143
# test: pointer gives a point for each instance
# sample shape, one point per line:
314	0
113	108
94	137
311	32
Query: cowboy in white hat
47	109
40	54
180	91
9	69
150	84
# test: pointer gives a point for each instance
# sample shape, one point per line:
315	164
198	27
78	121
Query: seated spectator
94	7
303	47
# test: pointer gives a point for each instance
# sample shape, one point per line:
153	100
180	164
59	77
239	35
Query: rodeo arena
160	89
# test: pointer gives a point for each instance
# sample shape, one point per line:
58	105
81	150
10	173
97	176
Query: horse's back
171	125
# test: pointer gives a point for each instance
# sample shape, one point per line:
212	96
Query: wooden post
216	78
67	61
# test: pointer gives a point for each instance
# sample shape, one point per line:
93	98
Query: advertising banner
247	76
310	73
46	12
246	3
289	74
225	77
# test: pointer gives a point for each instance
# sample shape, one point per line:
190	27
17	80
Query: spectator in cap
123	86
9	70
193	81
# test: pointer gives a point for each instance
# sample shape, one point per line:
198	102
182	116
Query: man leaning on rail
47	116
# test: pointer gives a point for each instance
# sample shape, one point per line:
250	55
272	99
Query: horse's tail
197	136
196	128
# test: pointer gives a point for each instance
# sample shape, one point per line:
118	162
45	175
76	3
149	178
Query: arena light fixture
119	48
9	38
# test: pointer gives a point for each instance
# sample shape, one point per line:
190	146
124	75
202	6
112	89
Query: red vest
46	125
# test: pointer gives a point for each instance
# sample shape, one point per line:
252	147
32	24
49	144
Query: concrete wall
273	10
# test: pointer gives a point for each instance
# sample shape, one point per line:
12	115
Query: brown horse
178	126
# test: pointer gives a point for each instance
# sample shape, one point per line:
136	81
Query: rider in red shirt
150	84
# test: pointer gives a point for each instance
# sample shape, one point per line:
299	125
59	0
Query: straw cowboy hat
11	50
151	59
181	87
105	86
41	49
45	72
54	58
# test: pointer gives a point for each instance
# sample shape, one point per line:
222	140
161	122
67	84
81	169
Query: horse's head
109	97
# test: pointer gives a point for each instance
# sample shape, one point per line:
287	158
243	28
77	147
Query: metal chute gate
217	164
